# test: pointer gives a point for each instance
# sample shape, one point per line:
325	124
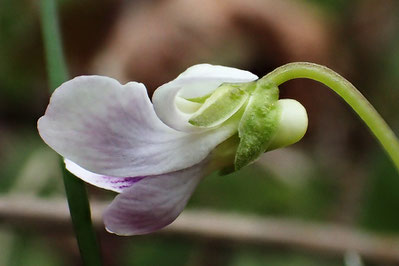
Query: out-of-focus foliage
382	197
21	64
27	250
365	44
161	252
154	251
259	258
333	6
252	190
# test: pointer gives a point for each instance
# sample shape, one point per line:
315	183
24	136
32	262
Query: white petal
153	202
117	184
112	129
196	81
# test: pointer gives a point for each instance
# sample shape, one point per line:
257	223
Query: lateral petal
112	129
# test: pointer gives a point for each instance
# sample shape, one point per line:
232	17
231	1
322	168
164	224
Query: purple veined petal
153	202
112	129
117	184
196	81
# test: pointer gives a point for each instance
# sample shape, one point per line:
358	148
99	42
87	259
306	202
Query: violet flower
154	154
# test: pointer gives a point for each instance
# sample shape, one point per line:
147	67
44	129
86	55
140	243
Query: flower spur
154	154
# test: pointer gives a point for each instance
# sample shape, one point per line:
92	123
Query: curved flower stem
349	93
75	188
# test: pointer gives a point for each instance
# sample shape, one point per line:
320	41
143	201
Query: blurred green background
337	175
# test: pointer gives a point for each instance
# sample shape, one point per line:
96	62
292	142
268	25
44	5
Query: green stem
349	93
75	188
56	66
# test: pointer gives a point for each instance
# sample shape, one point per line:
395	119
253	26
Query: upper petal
196	81
112	129
152	202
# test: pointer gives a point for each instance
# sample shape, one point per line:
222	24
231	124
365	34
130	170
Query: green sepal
258	125
225	101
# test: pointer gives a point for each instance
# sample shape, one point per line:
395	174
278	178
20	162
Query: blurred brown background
337	175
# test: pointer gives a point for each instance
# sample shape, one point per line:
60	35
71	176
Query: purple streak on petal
123	182
130	180
117	184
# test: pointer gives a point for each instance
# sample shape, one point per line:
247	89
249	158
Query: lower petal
153	202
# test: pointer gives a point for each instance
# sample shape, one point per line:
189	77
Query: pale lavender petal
112	129
196	81
117	184
153	202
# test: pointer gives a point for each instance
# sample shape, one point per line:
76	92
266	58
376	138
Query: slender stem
75	188
349	93
56	66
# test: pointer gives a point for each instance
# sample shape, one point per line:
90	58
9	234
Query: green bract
256	105
258	124
220	106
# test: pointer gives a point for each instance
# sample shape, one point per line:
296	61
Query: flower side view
210	118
